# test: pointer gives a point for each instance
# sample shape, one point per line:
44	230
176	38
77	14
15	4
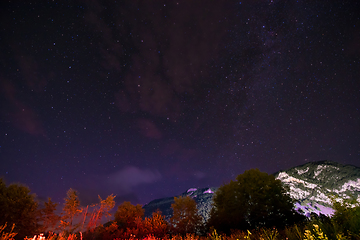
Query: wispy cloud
131	176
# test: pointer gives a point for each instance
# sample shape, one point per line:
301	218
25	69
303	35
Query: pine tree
48	217
70	211
185	217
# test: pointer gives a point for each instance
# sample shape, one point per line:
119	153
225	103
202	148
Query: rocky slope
310	185
202	196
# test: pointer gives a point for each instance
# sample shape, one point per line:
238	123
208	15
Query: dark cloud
122	101
353	47
25	119
33	75
149	129
171	54
18	113
170	148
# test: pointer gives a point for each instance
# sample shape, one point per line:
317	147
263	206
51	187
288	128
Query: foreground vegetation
254	206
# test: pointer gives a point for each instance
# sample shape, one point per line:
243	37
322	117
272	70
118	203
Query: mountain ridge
309	184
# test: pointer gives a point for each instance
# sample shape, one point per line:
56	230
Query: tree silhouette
100	210
18	206
127	215
48	217
254	200
155	225
70	211
185	218
346	217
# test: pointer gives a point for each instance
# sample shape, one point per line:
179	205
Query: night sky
145	99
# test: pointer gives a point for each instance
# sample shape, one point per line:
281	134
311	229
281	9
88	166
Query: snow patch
302	171
319	170
208	191
321	197
191	190
351	185
316	208
286	178
296	194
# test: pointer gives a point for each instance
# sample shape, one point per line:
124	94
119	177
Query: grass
309	231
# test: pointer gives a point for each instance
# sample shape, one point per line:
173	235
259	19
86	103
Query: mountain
202	196
310	185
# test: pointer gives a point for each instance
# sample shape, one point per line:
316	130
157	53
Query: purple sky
145	99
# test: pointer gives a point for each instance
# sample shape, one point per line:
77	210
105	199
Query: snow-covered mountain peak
314	183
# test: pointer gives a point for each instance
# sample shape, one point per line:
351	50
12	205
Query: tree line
254	203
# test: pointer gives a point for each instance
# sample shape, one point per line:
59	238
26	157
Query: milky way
145	100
